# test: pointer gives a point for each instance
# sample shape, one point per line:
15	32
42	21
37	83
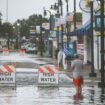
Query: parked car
25	45
32	48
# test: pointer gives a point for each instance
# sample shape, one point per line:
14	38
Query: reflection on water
95	95
32	95
102	96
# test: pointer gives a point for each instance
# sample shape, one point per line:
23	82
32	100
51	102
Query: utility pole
57	15
62	35
50	28
61	5
74	15
57	38
92	74
102	83
41	43
67	25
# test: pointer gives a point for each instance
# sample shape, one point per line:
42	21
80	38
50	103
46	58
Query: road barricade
7	75
22	51
5	51
48	75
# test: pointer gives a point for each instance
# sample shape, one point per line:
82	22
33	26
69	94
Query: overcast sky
19	9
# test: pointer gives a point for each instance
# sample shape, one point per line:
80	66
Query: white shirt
60	56
77	64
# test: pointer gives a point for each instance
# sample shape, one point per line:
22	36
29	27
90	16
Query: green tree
7	28
25	24
79	17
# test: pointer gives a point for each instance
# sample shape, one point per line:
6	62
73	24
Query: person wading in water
77	67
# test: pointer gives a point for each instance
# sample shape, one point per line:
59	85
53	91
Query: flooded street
52	52
28	92
34	95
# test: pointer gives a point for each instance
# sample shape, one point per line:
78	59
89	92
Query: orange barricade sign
48	75
7	75
5	51
22	51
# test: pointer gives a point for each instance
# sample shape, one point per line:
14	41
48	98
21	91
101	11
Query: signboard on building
80	49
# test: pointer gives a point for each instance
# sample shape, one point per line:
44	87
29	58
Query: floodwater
28	92
34	95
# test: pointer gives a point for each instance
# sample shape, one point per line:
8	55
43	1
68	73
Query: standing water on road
32	95
27	91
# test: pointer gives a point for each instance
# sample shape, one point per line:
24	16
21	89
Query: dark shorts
78	81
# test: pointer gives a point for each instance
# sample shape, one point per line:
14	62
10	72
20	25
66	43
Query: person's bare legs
77	92
80	93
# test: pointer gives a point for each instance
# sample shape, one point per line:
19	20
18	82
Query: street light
45	13
18	35
90	10
92	74
102	83
60	4
50	28
62	29
56	8
74	15
40	37
67	25
59	13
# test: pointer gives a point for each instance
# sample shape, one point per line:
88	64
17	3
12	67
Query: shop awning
83	30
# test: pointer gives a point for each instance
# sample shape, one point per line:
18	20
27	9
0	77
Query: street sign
48	78
38	29
48	75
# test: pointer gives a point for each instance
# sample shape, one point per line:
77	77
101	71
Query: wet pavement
28	92
34	95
